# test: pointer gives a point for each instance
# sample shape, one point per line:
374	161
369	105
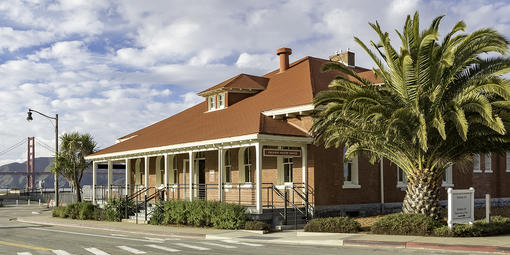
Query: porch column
165	181
146	171
304	165
258	172
221	169
128	175
94	180
110	178
191	165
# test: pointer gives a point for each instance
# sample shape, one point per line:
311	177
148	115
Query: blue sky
110	67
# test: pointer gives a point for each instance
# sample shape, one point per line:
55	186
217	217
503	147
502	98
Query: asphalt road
24	239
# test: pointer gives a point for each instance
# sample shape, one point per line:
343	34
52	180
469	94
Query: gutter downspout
382	184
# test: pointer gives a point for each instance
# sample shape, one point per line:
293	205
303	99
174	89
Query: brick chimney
346	58
284	58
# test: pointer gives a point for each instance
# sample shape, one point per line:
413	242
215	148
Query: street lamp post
29	118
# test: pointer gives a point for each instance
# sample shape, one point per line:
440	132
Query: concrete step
289	227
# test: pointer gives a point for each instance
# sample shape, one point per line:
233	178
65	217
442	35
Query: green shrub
333	224
257	225
115	209
497	226
58	211
406	224
199	213
89	211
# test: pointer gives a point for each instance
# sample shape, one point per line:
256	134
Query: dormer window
221	100
212	103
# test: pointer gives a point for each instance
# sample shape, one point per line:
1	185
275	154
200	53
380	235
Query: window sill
247	185
477	171
447	185
489	171
402	186
227	186
351	186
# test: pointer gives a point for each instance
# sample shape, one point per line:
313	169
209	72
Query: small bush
58	211
89	211
257	225
82	211
115	209
199	213
406	224
497	226
333	225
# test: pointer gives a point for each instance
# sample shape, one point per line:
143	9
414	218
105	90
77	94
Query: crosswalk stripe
192	246
132	250
155	246
61	252
220	245
24	253
242	243
96	251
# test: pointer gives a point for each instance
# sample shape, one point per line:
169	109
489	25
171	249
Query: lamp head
29	116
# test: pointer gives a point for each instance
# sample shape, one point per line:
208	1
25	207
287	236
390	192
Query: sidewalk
498	244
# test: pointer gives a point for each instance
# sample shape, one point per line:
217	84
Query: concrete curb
173	235
428	246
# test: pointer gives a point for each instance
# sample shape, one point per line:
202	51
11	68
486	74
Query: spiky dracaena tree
70	161
438	103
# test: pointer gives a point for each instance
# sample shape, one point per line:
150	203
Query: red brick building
248	142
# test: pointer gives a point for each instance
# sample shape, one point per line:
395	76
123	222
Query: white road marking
118	235
106	236
243	243
192	246
96	251
24	253
162	247
132	250
220	245
162	239
61	252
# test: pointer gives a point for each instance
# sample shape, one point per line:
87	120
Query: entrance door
201	180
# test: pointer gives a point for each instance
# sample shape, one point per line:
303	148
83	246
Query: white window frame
488	162
212	102
507	162
247	165
476	164
401	182
220	101
228	166
448	178
353	183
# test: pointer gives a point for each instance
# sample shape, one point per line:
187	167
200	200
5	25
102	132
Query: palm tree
71	158
437	103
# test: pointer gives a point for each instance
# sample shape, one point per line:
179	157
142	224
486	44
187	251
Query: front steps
140	215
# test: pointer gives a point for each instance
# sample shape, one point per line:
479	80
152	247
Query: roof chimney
346	57
284	58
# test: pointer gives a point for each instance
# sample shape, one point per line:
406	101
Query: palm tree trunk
78	190
423	194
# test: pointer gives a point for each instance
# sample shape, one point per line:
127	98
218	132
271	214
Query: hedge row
87	211
199	213
333	224
412	224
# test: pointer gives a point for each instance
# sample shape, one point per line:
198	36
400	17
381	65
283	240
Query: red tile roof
296	86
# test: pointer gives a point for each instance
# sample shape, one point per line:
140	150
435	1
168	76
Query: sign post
461	204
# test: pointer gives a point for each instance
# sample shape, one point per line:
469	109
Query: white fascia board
207	145
289	110
125	139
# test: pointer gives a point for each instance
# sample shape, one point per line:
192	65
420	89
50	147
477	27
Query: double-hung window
488	162
350	172
448	177
221	100
401	178
175	170
247	165
228	166
212	102
507	161
476	163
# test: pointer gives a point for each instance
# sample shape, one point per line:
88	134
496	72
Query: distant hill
43	164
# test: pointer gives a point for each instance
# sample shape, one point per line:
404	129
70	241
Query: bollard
487	208
39	202
28	201
16	202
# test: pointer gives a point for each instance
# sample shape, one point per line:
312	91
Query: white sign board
461	205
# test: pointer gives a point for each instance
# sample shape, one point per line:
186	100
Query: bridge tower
30	164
